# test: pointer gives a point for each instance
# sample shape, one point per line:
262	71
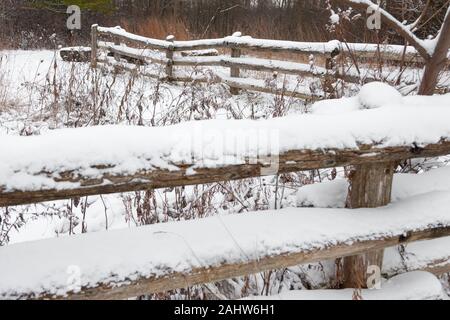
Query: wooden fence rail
123	44
208	274
195	260
142	179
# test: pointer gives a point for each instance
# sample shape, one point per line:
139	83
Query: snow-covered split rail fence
78	162
110	159
141	50
105	177
48	185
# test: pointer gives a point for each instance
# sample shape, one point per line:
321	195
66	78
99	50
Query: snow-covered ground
417	285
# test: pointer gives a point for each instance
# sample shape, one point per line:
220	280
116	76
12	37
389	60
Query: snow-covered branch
403	30
433	51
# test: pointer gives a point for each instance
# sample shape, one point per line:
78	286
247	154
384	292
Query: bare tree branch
413	26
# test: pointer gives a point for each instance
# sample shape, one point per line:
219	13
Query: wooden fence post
235	71
117	56
329	78
169	57
370	187
94	45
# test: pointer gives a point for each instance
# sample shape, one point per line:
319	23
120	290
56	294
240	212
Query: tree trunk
438	60
370	187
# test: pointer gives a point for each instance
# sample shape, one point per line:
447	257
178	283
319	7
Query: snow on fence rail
110	159
126	263
49	185
162	52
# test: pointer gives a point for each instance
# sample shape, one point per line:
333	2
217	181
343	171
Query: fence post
370	187
94	45
169	57
117	56
235	71
329	78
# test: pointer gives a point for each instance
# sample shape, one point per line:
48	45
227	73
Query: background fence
318	60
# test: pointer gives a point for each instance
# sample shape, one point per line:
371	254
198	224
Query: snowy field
40	93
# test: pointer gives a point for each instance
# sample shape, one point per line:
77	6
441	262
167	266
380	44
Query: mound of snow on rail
378	94
375	95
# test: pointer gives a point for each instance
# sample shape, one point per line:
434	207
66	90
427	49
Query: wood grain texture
235	71
265	89
437	267
94	46
370	187
141	58
169	58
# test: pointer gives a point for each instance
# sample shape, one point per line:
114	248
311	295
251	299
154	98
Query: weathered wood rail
225	271
162	52
291	161
170	280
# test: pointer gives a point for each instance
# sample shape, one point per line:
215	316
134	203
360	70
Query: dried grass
158	28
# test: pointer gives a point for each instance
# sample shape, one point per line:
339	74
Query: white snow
334	18
372	95
281	86
335	106
238	39
332	194
378	94
334	123
126	149
105	212
150	43
418	255
328	194
76	48
287	66
235	39
154	55
416	285
383	48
